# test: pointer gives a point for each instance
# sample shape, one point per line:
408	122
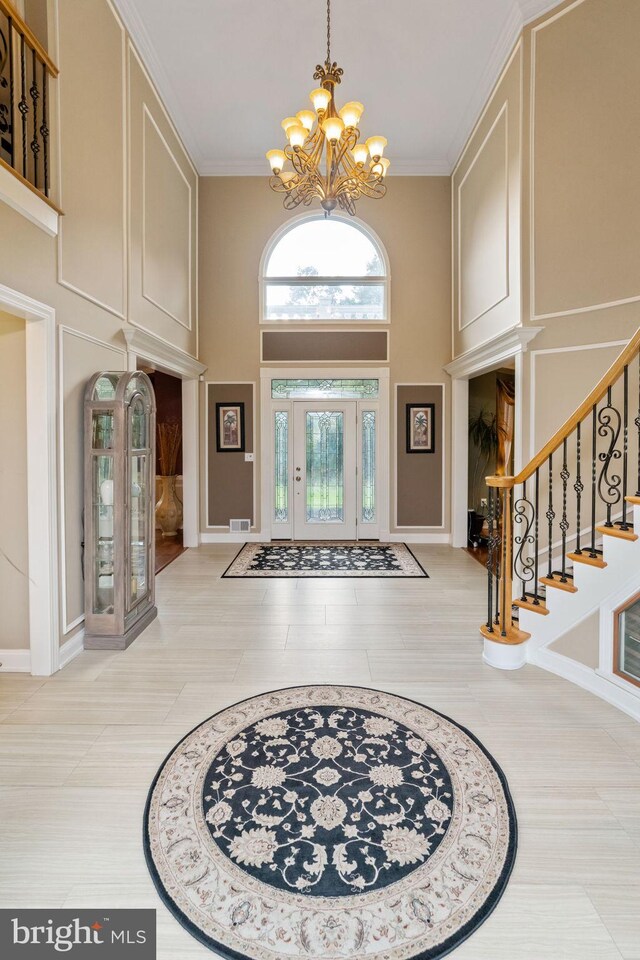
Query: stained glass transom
366	389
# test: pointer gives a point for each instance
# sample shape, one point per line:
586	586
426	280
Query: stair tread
615	531
556	583
529	604
587	558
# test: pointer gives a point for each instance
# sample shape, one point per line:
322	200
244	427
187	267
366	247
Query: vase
168	507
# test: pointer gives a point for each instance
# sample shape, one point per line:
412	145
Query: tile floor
78	751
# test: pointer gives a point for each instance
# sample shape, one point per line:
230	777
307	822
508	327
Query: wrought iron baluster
34	93
23	106
564	523
625	445
44	130
578	487
490	561
505	562
594	454
551	515
609	483
536	541
523	520
497	554
637	423
10	29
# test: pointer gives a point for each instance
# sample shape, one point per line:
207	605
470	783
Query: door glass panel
324	441
138	552
366	389
102	429
368	466
103	530
281	458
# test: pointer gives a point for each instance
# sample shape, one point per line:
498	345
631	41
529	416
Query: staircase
564	536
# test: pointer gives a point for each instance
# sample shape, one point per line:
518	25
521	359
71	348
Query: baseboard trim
444	538
233	538
15	661
71	648
588	679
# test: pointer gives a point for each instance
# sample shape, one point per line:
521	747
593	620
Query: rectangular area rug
325	558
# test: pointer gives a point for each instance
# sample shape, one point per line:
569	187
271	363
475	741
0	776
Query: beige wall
571	85
486	189
125	175
14	548
238	217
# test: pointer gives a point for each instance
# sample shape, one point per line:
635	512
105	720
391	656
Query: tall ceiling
230	70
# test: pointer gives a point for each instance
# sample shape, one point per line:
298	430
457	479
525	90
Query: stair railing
574	491
26	70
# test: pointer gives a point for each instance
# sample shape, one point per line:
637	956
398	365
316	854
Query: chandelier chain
328	31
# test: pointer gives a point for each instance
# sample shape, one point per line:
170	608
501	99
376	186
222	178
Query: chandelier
327	161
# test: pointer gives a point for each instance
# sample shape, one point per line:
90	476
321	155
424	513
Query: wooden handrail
615	370
28	34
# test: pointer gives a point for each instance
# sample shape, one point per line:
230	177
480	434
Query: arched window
324	270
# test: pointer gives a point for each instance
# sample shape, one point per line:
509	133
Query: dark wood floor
479	554
167	549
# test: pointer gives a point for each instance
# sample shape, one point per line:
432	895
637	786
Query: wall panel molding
118	310
572	311
147	116
580	347
441	442
503	112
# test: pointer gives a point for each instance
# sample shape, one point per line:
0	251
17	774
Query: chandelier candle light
329	163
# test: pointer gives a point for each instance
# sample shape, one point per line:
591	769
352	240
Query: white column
459	461
190	463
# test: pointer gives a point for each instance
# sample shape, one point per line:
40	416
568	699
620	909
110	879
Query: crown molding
532	9
140	38
500	54
521	12
434	167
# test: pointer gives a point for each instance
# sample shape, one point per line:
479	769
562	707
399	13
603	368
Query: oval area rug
330	822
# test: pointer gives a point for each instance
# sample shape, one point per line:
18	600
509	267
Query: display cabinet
119	434
626	641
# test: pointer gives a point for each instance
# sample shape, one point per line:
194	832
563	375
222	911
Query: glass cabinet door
103	553
138	503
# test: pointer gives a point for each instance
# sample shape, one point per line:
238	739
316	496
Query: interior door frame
271	530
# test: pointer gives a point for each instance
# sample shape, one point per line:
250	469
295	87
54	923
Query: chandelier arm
346	143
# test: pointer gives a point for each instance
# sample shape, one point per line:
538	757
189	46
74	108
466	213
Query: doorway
324	473
168	466
491	420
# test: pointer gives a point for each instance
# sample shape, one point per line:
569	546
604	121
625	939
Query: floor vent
240	526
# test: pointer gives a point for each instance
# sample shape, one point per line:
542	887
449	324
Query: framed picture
230	427
421	428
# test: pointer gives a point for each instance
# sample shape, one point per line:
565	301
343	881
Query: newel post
503	642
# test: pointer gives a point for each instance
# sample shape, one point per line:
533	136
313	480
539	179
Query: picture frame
421	437
230	433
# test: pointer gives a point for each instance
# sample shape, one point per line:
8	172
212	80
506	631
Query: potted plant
169	506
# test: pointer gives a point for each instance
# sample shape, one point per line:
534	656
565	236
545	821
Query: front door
324	470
